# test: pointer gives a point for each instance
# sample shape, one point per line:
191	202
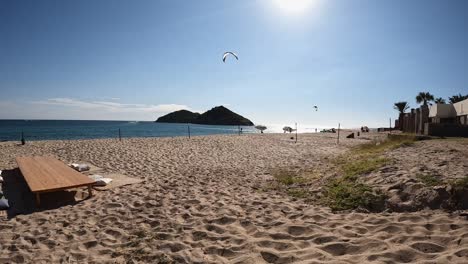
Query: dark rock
182	116
219	115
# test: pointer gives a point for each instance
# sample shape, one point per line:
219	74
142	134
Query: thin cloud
113	107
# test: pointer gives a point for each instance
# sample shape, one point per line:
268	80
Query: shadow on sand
22	200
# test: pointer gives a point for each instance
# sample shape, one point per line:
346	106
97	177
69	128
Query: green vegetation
401	107
380	147
299	193
287	178
355	167
346	193
457	98
424	98
429	180
460	184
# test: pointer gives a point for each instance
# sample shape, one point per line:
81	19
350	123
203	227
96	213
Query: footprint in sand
427	247
462	253
281	246
324	239
336	249
269	257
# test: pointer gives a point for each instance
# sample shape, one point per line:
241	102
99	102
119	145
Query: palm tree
439	100
401	107
424	98
457	98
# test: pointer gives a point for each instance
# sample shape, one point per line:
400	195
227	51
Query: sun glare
294	6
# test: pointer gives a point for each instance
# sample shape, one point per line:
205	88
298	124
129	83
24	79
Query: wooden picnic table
48	174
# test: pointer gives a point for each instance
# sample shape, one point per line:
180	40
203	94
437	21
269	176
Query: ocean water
10	130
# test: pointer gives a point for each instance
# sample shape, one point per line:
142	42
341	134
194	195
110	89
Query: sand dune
200	203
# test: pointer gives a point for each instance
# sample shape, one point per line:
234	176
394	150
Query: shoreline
181	136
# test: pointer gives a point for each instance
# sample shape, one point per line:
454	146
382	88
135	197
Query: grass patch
460	183
366	158
298	193
288	178
429	180
362	165
344	194
293	183
378	147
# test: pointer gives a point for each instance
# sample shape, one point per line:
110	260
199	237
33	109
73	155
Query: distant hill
219	115
181	116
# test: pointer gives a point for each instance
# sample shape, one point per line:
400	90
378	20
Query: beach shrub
345	194
288	178
460	184
460	193
378	147
429	179
299	193
362	165
346	191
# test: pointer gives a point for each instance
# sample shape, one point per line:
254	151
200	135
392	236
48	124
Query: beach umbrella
226	54
288	129
261	128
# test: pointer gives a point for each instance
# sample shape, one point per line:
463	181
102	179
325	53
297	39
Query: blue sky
137	60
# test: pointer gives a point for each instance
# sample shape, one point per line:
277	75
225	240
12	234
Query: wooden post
338	138
296	133
90	191
120	135
188	129
22	138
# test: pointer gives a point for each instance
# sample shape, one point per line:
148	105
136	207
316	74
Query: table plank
45	174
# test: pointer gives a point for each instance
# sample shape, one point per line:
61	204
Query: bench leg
38	200
90	191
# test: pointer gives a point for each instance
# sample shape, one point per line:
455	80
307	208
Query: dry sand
200	203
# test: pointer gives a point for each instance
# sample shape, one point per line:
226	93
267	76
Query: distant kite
316	108
226	54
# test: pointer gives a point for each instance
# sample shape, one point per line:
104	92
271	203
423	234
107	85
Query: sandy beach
204	200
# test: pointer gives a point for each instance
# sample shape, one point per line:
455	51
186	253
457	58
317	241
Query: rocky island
219	115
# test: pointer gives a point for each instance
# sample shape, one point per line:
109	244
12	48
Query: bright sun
294	6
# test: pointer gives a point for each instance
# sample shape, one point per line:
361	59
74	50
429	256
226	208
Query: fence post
296	133
338	139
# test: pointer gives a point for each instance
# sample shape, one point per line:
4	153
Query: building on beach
445	120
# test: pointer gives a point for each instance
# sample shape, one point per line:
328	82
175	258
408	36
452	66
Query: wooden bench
48	174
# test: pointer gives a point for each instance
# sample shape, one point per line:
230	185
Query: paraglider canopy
226	54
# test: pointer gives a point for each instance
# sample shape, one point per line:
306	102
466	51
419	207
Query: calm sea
10	130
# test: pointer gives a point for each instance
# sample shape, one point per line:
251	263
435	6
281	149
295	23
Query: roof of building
449	110
461	107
